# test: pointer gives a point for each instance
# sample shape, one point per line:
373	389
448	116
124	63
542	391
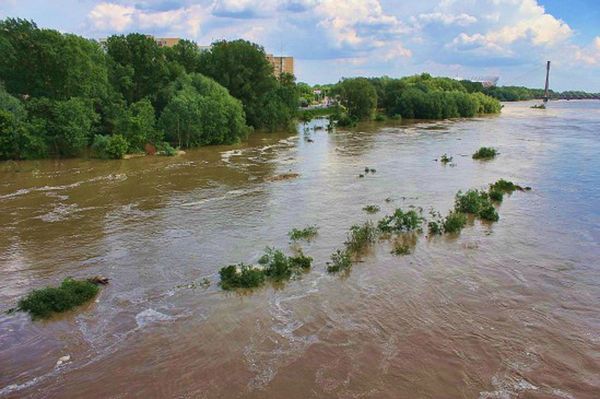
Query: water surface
507	310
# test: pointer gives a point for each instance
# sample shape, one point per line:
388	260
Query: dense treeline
61	94
414	97
520	93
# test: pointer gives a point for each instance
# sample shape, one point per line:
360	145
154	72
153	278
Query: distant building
281	64
166	41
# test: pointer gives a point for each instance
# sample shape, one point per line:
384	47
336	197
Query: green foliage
358	96
401	221
202	113
371	208
485	153
300	261
472	201
477	203
138	125
243	69
504	186
360	236
380	118
241	276
340	260
496	195
489	213
445	159
64	125
42	303
454	222
109	147
46	63
138	68
307	233
401	248
166	149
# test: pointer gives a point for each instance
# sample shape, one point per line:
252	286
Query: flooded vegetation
459	294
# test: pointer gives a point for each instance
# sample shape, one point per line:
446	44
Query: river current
504	310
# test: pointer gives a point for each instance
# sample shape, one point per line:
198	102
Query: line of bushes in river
403	226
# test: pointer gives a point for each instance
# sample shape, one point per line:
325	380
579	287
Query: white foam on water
150	316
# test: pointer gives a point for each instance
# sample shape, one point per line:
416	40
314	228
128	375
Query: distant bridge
486	81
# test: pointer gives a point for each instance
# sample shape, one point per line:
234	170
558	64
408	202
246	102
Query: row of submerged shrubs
403	226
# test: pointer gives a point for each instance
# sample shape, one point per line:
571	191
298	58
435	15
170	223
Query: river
504	310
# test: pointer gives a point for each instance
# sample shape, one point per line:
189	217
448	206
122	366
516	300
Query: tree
50	64
138	125
202	112
242	68
64	125
186	53
138	67
358	96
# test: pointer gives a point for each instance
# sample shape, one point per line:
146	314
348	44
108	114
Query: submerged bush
360	236
274	265
306	233
371	208
489	213
401	222
44	302
166	149
472	201
241	276
485	153
401	248
504	186
340	260
109	147
445	159
454	222
496	195
477	203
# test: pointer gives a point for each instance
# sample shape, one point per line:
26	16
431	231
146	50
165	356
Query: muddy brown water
507	310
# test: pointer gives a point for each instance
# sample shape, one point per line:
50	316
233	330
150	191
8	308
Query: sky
331	39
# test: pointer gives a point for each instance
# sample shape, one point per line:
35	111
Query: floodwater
505	310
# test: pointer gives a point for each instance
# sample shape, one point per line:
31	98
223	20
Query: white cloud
109	16
462	19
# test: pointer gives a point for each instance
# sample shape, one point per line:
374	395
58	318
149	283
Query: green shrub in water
241	276
306	233
360	236
401	249
472	201
44	302
504	186
489	213
380	118
401	222
454	222
166	149
485	153
496	195
445	159
340	260
371	208
109	147
300	261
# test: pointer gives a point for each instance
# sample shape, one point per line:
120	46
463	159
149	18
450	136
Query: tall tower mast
546	95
